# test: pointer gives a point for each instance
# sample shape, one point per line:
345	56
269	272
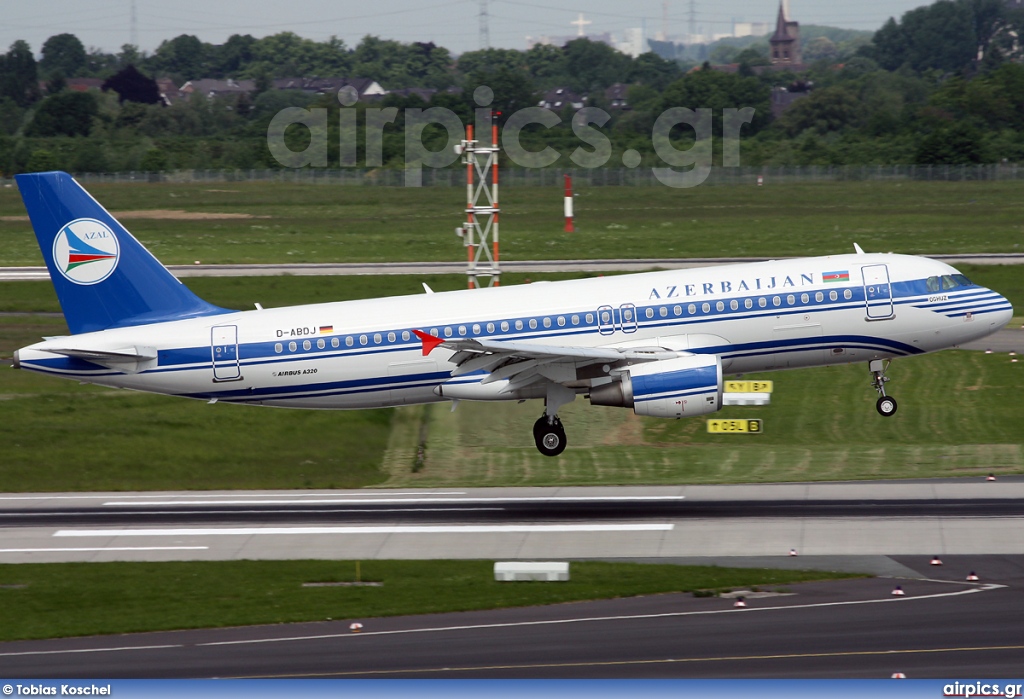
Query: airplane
659	343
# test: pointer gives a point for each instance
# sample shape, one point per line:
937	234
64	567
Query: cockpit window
964	281
948	282
933	284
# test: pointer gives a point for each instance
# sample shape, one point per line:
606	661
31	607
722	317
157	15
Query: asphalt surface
835	629
943	627
444	267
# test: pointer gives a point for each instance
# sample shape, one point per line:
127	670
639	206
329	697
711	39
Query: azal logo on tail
86	251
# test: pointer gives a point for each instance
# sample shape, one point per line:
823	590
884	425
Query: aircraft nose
1005	312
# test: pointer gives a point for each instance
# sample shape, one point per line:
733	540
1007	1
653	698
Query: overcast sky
451	23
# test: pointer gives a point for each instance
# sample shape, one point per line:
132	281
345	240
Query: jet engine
681	387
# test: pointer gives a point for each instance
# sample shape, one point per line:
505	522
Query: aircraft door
224	351
877	292
606	320
627	317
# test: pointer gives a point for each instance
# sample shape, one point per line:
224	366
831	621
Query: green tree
42	160
654	71
63	53
829	109
66	114
717	91
184	56
11	116
594	65
958	144
19	75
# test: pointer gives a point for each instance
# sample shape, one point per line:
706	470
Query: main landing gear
886	405
549	435
548	432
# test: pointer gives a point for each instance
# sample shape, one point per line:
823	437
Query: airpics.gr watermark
697	158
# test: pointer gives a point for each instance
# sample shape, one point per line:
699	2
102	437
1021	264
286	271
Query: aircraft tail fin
103	276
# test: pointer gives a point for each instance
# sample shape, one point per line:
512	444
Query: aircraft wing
521	362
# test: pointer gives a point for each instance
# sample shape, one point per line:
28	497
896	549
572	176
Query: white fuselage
358	354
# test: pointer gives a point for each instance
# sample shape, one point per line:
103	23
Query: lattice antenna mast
480	232
485	32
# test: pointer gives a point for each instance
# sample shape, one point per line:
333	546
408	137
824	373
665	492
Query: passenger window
349	341
734	304
748	303
533	323
762	302
791	299
691	309
847	294
776	301
504	326
490	328
804	298
719	306
663	311
462	330
448	331
278	348
590	318
833	295
335	343
650	312
363	340
932	284
306	345
561	321
575	320
377	338
678	310
706	307
819	297
320	344
391	337
405	336
519	325
476	328
292	346
547	322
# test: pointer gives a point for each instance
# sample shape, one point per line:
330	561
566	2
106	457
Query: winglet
857	248
429	341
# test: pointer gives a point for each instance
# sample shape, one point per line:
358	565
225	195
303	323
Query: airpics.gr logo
86	251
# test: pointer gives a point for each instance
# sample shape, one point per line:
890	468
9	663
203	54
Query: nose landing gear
886	405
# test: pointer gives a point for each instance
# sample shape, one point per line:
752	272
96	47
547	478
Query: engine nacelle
680	387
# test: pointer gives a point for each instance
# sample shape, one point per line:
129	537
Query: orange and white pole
469	205
494	144
568	205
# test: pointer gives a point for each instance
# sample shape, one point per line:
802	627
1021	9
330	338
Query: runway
838	629
445	267
943	627
823	519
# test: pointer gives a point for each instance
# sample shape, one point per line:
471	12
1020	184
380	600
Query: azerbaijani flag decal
829	277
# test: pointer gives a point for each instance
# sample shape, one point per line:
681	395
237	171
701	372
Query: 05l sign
735	426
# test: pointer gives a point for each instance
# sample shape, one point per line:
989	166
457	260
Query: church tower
785	42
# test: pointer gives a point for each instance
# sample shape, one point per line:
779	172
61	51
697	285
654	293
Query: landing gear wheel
886	406
550	437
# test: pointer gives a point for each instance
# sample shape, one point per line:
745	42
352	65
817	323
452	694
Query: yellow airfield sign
748	386
735	426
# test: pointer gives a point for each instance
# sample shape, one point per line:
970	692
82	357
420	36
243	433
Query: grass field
78	599
282	222
960	414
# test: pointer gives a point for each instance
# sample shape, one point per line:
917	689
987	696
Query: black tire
550	439
886	406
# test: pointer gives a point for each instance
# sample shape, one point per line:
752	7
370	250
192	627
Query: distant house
84	84
169	92
616	96
366	88
210	88
561	97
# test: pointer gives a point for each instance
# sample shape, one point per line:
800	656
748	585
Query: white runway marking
364	501
443	529
150	496
110	548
